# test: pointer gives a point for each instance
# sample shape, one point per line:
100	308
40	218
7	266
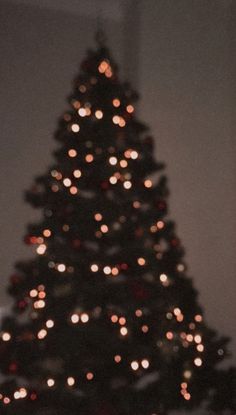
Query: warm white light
198	361
42	333
123	331
6	337
107	270
67	182
94	268
134	365
41	249
113	180
77	174
99	114
72	153
49	324
127	184
84	318
75	128
82	112
74	318
113	161
145	363
61	267
163	277
70	381
51	382
134	154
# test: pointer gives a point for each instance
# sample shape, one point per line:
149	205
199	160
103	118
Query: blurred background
180	56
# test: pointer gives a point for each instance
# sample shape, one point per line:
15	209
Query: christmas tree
105	318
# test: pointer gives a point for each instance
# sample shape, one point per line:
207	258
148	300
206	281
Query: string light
75	128
94	267
89	158
47	233
77	174
127	184
148	183
84	317
42	334
72	153
123	331
107	270
117	358
49	324
99	114
145	363
67	182
90	376
123	163
113	161
134	365
82	112
104	228
141	261
198	361
61	267
51	382
6	337
130	109
74	318
116	102
70	381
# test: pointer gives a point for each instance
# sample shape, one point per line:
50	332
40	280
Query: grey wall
184	71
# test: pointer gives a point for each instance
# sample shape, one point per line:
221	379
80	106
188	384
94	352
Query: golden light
115	271
198	318
89	376
198	361
116	119
189	338
104	228
98	217
130	109
145	363
23	392
49	324
116	102
169	335
74	318
47	233
138	313
122	122
42	334
122	321
89	158
117	358
104	65
113	161
187	396
84	317
82	88
160	224
123	331
141	261
51	382
187	374
134	365
67	182
75	128
94	268
70	381
77	174
148	183
99	114
127	184
144	328
82	112
114	318
136	204
73	190
123	163
72	153
6	337
61	267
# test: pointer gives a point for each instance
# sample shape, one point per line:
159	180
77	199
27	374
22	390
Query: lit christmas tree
105	320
